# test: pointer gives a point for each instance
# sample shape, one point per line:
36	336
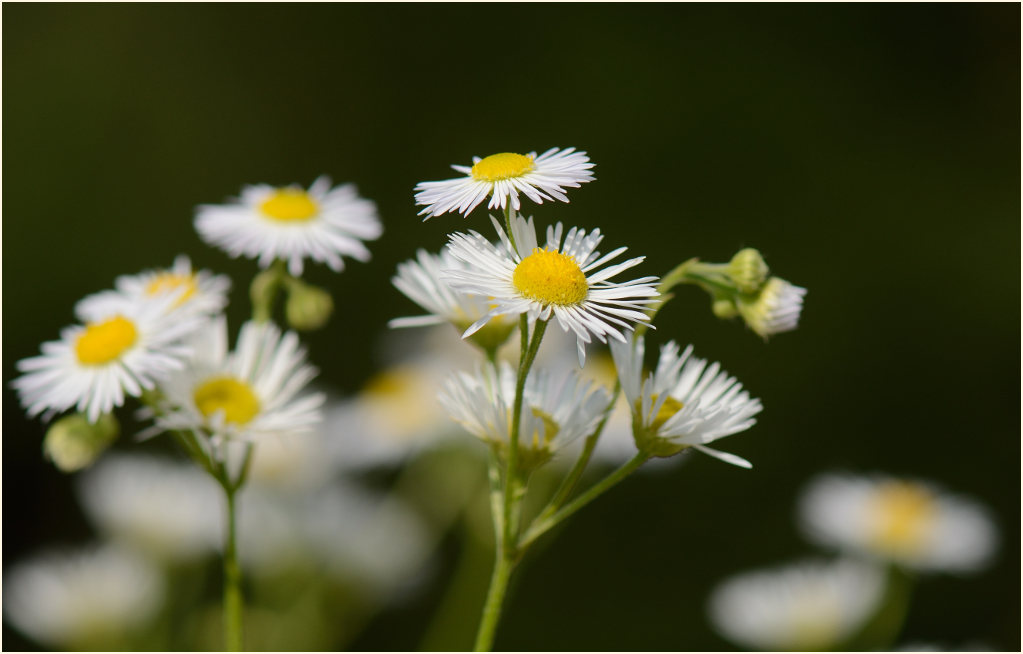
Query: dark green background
869	151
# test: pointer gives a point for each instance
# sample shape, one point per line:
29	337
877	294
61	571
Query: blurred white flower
195	293
397	413
813	605
289	223
170	510
912	523
86	598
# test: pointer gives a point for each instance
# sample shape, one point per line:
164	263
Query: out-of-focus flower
170	510
912	523
556	409
502	177
93	367
397	414
684	403
422	281
814	605
248	394
292	224
88	598
566	280
201	293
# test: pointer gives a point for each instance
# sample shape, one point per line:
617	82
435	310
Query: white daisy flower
911	523
809	606
195	292
774	309
422	281
684	403
503	176
564	280
246	394
93	367
556	409
168	509
289	223
87	599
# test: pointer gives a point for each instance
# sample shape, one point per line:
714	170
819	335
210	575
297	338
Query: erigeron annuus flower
502	177
292	224
909	522
82	599
808	606
564	279
683	403
247	394
422	281
168	509
194	292
774	309
556	409
94	366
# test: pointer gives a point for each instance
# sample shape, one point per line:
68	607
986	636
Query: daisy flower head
94	366
422	281
322	223
911	523
566	279
87	599
683	403
248	394
807	606
556	409
774	309
502	177
194	292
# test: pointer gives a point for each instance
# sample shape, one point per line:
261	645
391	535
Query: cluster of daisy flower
161	337
523	278
887	531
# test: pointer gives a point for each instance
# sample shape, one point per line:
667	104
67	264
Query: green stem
264	290
495	598
509	212
232	579
568	484
539	528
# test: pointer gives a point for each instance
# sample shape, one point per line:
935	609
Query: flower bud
308	307
748	270
73	443
775	309
724	308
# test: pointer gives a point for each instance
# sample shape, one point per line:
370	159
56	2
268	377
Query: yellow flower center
502	166
102	342
289	205
550	429
551	277
903	512
168	282
670	407
232	396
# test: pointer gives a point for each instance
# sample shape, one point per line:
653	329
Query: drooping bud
748	270
308	307
73	443
775	309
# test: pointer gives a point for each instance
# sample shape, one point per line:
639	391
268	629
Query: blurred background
870	152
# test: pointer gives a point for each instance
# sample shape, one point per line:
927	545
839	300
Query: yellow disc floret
169	282
502	166
902	514
102	342
550	277
670	407
289	205
232	396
